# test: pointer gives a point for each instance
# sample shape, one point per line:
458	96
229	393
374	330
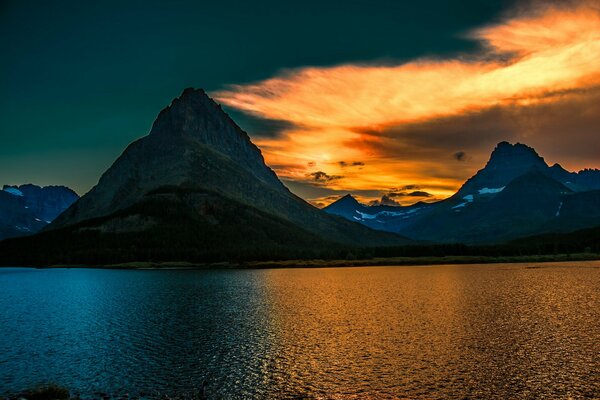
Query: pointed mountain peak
347	199
190	113
195	117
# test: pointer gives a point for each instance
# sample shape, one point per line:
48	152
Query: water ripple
501	331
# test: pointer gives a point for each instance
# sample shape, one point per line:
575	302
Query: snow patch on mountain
366	216
486	190
13	191
404	214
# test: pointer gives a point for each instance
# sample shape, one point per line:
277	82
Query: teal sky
81	80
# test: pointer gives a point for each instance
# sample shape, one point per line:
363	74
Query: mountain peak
192	111
346	200
194	119
506	162
346	206
518	152
193	91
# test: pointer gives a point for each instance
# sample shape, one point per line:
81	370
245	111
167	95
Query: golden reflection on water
480	331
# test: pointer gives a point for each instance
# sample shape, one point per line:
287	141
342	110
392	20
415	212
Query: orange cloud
529	60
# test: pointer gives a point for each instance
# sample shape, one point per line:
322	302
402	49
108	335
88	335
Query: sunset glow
349	121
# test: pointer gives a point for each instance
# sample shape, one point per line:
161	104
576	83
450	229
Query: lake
472	331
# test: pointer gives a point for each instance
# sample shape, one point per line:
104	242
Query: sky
387	100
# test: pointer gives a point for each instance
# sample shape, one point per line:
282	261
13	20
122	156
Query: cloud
345	164
460	156
395	197
416	193
321	176
419	193
402	120
406	192
375	96
407	187
259	126
385	201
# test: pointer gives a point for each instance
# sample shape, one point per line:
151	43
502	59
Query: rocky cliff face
194	144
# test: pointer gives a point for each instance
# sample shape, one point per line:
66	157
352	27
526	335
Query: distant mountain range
516	194
27	209
195	188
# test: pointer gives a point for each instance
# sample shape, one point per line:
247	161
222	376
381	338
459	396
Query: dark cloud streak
320	176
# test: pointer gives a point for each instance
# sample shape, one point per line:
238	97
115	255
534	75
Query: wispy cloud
347	112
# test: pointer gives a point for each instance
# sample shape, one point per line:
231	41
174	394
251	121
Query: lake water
477	331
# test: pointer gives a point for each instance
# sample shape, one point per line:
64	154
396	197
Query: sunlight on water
481	331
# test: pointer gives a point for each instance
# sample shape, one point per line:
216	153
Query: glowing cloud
338	111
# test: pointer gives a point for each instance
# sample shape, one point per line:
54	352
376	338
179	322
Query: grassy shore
388	261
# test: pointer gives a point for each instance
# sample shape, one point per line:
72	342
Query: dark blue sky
80	80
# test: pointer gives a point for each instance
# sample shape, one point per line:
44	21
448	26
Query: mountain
527	205
186	177
509	161
381	217
27	209
46	202
506	162
346	206
515	194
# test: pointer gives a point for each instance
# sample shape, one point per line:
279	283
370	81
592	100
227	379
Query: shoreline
372	262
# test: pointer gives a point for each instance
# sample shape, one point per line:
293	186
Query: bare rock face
194	144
